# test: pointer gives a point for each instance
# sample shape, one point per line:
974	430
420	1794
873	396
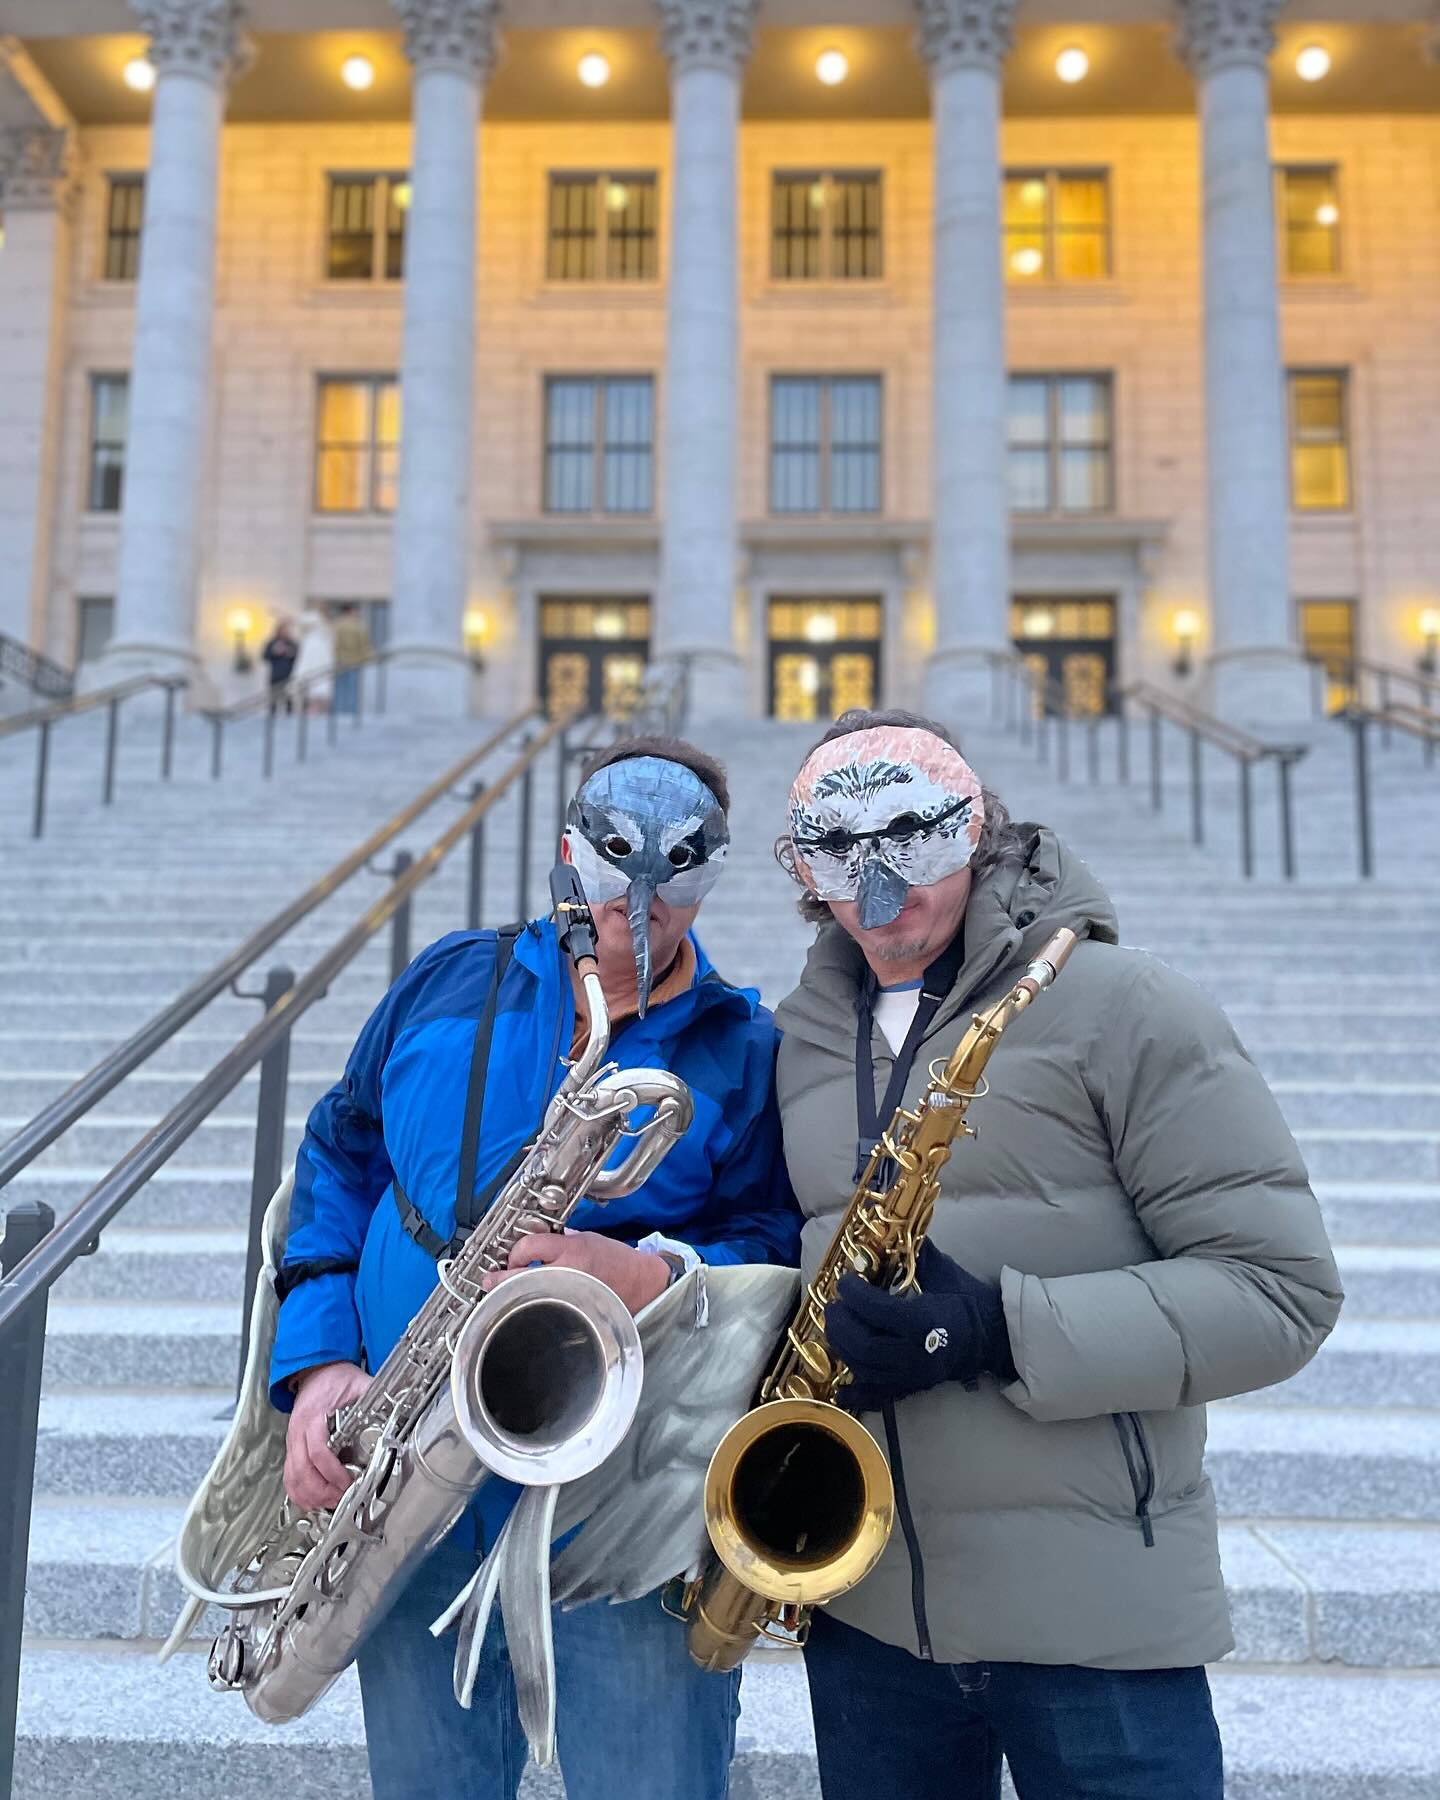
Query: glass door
593	655
1071	643
824	657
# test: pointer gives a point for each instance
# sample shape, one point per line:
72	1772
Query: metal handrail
44	719
82	1225
111	1070
26	664
1416	721
291	689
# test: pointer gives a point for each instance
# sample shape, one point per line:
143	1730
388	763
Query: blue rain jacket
398	1111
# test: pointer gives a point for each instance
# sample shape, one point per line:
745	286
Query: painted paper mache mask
877	812
643	827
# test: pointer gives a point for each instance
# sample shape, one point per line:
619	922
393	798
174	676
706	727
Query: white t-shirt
894	1010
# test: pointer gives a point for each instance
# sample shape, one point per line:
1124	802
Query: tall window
1308	206
599	444
1061	450
109	421
365	227
825	443
124	216
602	228
1057	225
826	226
1327	635
1319	440
357	444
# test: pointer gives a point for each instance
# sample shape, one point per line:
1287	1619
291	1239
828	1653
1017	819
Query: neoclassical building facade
834	348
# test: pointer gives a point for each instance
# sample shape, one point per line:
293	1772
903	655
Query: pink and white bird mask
880	811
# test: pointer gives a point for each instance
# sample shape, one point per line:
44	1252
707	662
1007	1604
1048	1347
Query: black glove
950	1328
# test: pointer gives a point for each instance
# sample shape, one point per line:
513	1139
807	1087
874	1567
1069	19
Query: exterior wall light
832	66
241	623
1187	629
1072	65
358	72
140	74
593	69
1313	63
476	629
1430	632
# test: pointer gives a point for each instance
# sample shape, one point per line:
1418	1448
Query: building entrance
1072	642
824	657
593	655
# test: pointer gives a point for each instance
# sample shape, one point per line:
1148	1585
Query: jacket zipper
912	1536
1142	1479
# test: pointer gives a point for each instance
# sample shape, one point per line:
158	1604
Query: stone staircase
1330	1486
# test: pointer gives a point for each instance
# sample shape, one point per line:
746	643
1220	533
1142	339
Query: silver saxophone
536	1382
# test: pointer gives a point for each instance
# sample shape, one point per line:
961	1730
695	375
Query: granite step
1305	1734
1380	1212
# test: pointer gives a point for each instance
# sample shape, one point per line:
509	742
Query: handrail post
42	777
1360	725
475	880
1384	709
302	734
167	741
1247	821
27	1224
1122	743
359	694
330	719
382	664
112	731
1287	820
269	1166
1197	798
400	927
268	760
1062	734
217	732
1092	747
1157	791
527	820
1027	709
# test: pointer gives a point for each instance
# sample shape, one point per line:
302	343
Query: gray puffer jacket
1136	1193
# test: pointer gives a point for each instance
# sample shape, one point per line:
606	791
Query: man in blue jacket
444	1089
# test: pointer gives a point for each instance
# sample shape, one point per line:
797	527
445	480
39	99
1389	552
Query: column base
1260	689
121	662
962	688
716	685
426	683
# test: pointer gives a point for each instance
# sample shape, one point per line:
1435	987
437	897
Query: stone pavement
1328	1486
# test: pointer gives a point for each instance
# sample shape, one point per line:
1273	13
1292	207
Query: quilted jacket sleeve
1244	1287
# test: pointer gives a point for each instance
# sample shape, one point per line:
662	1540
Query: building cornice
707	33
1218	34
39	168
965	34
204	38
460	35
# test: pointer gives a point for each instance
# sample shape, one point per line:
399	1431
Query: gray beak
637	908
881	895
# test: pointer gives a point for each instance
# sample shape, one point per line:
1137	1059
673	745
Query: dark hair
999	840
670	749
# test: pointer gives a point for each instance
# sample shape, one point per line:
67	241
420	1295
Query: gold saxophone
799	1502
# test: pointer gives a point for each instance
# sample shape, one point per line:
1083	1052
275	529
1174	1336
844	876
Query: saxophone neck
575	925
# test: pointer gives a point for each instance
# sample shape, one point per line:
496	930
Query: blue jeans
346	693
636	1720
887	1723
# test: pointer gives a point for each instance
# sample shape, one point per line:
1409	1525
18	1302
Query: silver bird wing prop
707	1342
234	1508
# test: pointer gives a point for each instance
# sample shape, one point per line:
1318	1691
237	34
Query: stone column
195	46
707	42
37	189
1256	674
965	42
452	46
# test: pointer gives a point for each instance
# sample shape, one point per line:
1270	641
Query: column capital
205	38
1213	34
39	168
714	32
974	34
461	35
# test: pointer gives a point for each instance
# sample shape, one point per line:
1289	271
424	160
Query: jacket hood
1014	911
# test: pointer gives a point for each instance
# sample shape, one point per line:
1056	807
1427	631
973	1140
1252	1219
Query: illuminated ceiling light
609	624
1032	193
358	72
402	194
817	193
140	74
1072	65
1313	63
1027	261
1039	623
820	628
617	196
1327	214
832	66
593	69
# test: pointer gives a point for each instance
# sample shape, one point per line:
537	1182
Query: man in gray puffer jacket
1131	1235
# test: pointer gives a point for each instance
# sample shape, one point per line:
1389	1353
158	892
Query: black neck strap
937	982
